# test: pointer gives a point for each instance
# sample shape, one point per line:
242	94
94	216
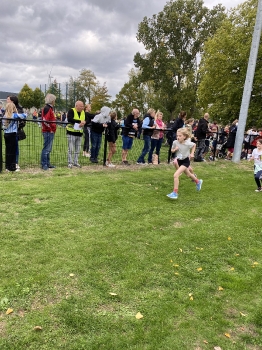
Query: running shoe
199	185
172	195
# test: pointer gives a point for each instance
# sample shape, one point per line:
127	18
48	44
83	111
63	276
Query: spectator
20	126
99	122
131	125
48	130
87	130
111	137
74	131
157	137
200	133
257	157
148	127
10	126
231	139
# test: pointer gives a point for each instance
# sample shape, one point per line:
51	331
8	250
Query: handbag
21	135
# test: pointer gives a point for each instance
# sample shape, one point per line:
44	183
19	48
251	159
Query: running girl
257	157
185	150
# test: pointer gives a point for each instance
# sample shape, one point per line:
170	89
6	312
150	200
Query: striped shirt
11	125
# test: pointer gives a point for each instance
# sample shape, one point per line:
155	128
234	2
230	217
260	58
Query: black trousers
10	151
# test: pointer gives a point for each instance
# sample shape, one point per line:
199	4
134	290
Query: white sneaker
110	165
88	155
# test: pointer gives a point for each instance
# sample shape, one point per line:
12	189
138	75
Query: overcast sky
62	37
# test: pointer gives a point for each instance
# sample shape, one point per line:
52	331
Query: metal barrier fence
30	148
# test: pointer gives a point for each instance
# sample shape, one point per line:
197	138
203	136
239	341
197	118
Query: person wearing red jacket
48	130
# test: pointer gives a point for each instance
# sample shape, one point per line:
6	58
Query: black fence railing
31	147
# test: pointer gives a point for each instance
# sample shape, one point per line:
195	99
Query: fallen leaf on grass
227	335
199	269
9	311
191	296
220	288
241	313
229	238
199	248
175	265
112	293
205	341
217	348
176	273
236	254
139	316
232	269
71	274
181	250
38	328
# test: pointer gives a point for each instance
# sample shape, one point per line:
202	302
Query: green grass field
97	258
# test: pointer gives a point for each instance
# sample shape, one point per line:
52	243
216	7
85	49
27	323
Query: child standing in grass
185	150
257	157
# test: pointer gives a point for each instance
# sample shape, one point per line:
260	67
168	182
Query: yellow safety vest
70	127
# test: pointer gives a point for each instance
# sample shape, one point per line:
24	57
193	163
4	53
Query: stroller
221	150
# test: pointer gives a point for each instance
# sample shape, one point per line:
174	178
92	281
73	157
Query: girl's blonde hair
158	113
185	132
10	108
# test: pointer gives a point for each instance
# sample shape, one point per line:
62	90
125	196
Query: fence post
105	147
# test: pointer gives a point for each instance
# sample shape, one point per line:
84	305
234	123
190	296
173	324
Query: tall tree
88	83
173	39
224	65
39	98
100	98
26	97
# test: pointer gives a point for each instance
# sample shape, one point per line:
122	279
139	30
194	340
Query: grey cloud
70	35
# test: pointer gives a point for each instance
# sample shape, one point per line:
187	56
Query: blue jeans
155	144
96	139
147	141
48	143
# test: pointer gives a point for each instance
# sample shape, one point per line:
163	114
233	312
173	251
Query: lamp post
248	84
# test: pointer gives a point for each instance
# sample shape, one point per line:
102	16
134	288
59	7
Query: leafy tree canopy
224	64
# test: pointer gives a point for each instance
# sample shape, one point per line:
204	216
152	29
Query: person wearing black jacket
200	134
178	123
131	125
111	137
87	130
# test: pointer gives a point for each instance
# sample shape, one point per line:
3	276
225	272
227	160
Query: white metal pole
248	84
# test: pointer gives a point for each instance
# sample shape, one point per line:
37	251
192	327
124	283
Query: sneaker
45	167
51	167
259	189
78	165
140	163
172	195
199	185
110	165
88	155
125	162
70	166
17	166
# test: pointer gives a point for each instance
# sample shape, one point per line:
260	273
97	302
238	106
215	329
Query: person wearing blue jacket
10	126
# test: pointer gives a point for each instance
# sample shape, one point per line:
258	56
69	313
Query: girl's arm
174	149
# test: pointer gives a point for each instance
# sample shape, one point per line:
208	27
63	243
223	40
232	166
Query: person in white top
257	157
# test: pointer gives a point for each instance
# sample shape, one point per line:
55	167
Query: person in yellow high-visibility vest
74	132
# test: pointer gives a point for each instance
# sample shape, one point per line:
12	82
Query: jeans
96	139
47	148
86	139
201	146
155	144
145	150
